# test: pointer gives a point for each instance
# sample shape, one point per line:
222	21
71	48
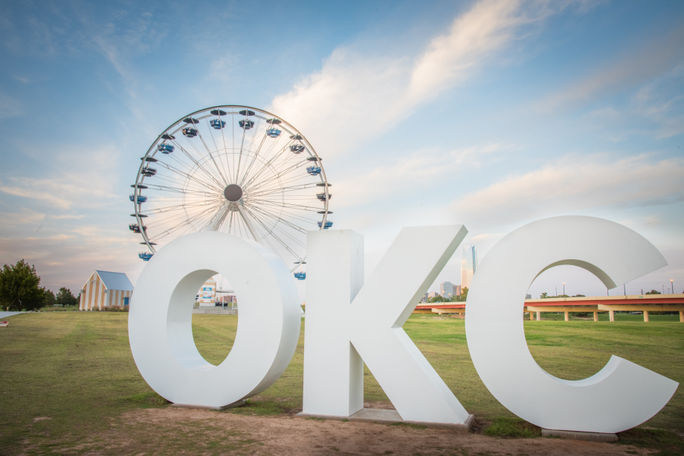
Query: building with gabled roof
106	290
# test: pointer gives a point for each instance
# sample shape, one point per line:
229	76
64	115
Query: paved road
8	314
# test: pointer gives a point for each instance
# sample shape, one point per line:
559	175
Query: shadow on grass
511	428
148	399
666	442
260	407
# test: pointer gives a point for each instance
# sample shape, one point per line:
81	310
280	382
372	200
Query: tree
544	295
65	297
19	287
48	297
463	296
436	298
652	292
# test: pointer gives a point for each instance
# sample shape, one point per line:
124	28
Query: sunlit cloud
9	107
408	174
359	94
450	58
653	58
72	181
575	185
655	102
82	250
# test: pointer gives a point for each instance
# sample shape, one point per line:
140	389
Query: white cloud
69	257
574	185
408	174
221	69
449	58
45	190
637	66
21	78
9	107
352	96
360	94
78	177
655	101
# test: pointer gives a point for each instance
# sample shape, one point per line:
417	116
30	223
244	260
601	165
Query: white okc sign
349	323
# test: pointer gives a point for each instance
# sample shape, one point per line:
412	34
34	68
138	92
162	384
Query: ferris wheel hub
233	192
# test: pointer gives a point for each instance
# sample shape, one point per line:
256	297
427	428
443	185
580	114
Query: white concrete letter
160	320
346	323
622	394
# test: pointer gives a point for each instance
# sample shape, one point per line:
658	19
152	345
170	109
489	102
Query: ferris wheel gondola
235	169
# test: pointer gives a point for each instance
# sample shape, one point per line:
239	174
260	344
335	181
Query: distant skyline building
431	294
449	290
468	265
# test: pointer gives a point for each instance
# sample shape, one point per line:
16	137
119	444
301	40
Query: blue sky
491	114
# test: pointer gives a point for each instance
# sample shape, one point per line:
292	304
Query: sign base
578	435
239	403
390	416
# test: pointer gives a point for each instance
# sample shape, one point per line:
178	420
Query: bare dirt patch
174	430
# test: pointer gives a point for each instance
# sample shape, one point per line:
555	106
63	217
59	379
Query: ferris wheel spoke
297	225
174	222
302	207
293	167
303	219
273	234
222	157
297	216
297	219
225	181
279	219
230	222
172	229
179	206
180	159
275	184
242	146
254	157
267	164
189	176
279	174
290	188
218	218
198	164
225	148
184	191
241	211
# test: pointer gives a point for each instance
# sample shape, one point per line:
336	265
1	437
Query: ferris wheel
235	169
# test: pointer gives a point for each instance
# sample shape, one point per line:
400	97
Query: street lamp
672	285
563	288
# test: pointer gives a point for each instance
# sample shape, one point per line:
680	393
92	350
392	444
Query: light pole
672	285
563	288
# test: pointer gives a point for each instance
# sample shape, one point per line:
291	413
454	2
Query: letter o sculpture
160	320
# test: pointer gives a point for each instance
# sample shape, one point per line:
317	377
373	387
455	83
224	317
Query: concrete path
8	314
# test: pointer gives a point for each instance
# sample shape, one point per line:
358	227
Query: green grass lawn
76	368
